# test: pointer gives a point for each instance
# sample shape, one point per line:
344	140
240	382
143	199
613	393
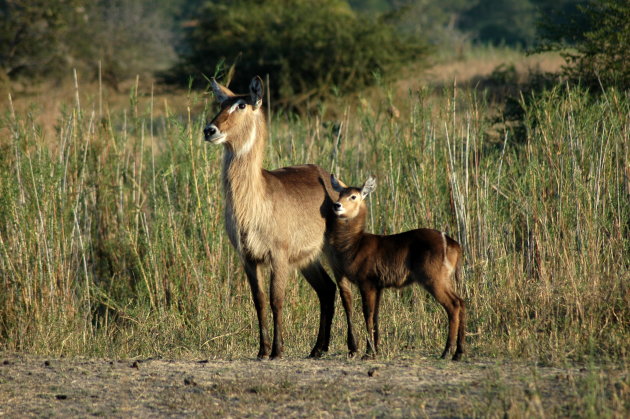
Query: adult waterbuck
273	218
373	262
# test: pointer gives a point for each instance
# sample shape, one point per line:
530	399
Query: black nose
337	205
209	131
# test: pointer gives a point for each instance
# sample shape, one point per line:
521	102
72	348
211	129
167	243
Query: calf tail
451	244
458	270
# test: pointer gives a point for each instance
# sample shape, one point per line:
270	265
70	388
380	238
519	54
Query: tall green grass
112	240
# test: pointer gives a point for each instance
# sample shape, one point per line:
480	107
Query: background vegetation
111	231
114	40
599	32
308	49
304	46
112	240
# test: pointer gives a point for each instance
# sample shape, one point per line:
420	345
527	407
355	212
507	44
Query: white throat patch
247	147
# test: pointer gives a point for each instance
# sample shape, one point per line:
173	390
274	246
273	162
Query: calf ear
256	91
221	93
337	185
368	186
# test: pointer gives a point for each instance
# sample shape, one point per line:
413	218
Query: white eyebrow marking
233	107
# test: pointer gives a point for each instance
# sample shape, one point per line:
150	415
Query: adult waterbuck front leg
277	285
252	270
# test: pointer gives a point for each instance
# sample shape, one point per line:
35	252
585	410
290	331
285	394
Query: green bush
598	32
35	36
47	38
305	46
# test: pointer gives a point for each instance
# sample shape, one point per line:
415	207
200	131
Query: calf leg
368	297
461	331
377	305
345	291
451	304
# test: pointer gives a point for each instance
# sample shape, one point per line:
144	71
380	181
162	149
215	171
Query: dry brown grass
115	237
473	67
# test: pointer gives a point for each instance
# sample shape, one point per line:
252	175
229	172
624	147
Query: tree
128	37
511	22
307	47
598	32
35	35
47	38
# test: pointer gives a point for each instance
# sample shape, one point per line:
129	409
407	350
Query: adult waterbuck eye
353	197
241	106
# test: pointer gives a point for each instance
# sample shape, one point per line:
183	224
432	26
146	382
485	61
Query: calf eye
241	106
353	197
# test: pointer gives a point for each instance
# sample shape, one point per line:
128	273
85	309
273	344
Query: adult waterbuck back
273	218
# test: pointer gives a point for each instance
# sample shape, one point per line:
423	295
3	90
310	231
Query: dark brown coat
374	262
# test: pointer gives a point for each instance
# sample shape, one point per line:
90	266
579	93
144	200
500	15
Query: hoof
352	354
316	353
457	356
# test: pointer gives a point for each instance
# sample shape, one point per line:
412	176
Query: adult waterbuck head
241	120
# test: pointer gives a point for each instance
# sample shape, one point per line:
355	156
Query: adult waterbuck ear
256	91
337	185
221	93
368	186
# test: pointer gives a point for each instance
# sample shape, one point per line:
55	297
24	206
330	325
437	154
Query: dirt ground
329	387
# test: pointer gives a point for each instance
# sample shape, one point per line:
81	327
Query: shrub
599	32
47	38
34	36
305	46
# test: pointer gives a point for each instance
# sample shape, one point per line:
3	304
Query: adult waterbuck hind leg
273	218
325	289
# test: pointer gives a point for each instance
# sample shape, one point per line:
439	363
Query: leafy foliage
500	21
599	32
46	38
35	35
306	47
129	37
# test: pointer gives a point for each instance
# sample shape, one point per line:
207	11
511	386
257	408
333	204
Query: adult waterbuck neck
273	218
373	262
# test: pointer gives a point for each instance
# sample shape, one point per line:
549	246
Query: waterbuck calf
373	262
275	218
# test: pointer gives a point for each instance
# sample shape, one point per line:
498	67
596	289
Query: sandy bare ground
330	387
